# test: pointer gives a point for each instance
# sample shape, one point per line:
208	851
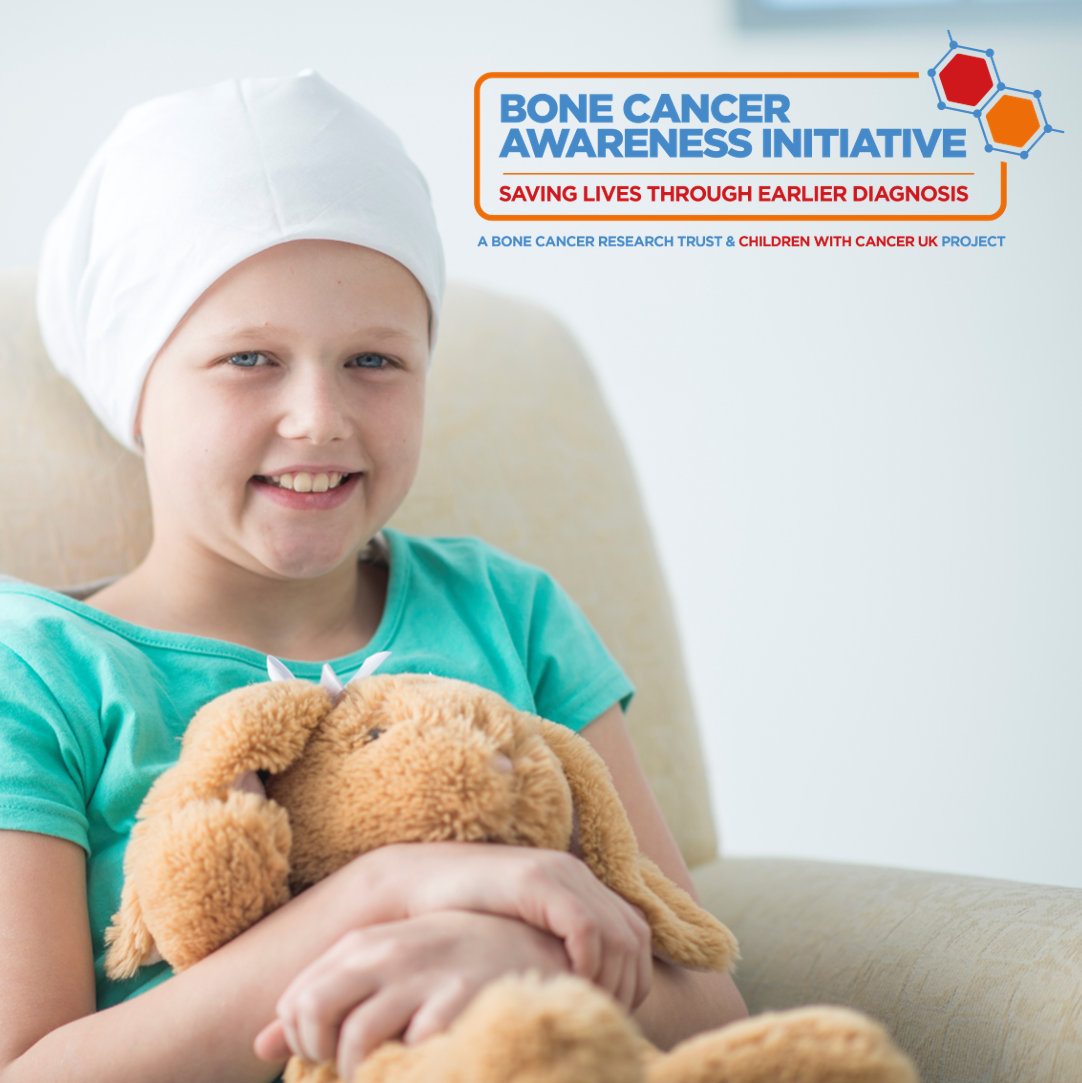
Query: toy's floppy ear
682	930
196	838
262	727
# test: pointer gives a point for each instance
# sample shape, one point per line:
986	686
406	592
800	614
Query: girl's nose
314	406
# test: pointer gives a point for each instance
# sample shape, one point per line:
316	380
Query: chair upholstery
979	980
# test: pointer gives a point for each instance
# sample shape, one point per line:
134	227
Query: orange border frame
706	217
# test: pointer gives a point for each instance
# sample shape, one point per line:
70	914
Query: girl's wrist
376	891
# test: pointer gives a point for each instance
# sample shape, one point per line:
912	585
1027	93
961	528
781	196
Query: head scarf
188	186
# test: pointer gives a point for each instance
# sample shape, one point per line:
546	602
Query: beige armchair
979	980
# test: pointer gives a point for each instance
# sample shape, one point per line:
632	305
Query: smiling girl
246	287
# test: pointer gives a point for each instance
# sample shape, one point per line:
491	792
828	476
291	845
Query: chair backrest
519	449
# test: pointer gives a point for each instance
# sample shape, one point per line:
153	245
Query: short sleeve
42	765
573	676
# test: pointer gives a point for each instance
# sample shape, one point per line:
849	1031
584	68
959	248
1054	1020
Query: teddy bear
279	784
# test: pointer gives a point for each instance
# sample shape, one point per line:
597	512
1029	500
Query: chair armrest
976	979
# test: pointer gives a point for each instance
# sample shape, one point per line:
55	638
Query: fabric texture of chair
978	980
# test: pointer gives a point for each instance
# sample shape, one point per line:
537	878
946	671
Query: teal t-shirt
92	709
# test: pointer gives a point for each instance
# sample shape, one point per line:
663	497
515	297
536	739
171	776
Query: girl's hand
606	938
409	978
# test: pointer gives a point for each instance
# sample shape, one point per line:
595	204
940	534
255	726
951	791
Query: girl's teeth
308	483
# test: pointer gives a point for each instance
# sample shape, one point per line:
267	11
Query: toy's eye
247	359
371	735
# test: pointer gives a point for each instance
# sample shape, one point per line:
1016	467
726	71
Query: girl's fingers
584	914
572	923
270	1043
365	989
641	959
351	944
289	1032
321	1005
611	977
380	1018
625	993
553	891
628	965
439	1011
644	975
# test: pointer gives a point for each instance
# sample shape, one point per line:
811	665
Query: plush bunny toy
214	850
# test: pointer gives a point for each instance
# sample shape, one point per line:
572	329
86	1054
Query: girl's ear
682	931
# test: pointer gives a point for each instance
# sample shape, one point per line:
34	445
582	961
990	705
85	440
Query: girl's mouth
306	483
306	491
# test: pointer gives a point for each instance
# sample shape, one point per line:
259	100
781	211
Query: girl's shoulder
86	660
465	565
39	623
500	622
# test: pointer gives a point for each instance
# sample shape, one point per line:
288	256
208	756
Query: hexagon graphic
1012	121
965	79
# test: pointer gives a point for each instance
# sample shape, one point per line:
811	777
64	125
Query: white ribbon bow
328	679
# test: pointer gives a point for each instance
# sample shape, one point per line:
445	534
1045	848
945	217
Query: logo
966	80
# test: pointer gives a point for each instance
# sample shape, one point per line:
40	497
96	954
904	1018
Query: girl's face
282	420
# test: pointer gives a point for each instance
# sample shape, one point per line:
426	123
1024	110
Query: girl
245	287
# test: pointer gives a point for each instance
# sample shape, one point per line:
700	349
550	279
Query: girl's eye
370	361
249	359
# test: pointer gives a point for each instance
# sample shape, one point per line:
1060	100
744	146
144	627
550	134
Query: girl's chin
304	561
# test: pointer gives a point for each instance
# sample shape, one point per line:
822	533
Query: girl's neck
195	593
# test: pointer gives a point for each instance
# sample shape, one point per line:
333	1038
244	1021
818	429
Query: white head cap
188	186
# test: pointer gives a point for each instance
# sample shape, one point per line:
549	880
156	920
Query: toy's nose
502	764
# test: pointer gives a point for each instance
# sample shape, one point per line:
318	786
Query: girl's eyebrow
257	330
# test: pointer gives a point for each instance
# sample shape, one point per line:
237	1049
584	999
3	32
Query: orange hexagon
1013	121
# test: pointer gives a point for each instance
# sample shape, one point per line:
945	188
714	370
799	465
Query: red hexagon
965	79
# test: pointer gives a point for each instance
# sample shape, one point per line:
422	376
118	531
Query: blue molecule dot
931	72
1048	127
1024	154
954	45
976	112
941	105
1036	93
1001	86
988	147
989	52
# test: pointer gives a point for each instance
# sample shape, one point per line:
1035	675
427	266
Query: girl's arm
682	1002
324	1012
196	1026
200	1025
